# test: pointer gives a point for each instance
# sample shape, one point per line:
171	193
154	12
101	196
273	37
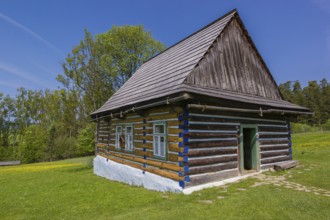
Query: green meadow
68	189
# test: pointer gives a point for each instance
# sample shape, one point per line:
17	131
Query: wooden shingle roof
167	73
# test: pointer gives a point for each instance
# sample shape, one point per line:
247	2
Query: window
159	140
129	138
119	131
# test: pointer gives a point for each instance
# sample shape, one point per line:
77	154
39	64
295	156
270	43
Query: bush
303	128
86	140
9	153
32	144
326	126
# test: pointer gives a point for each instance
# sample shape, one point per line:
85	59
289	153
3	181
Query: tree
312	94
124	49
286	90
297	93
96	68
7	110
315	96
82	74
325	100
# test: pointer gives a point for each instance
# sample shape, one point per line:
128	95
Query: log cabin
203	110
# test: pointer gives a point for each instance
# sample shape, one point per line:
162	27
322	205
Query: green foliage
315	96
96	68
303	128
32	144
123	50
44	125
326	126
86	141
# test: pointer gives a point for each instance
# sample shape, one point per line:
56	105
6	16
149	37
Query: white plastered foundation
133	176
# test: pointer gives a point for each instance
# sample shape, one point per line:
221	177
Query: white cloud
10	84
37	36
23	74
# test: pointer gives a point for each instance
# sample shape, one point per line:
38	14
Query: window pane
162	146
118	130
130	142
159	129
117	140
129	130
156	151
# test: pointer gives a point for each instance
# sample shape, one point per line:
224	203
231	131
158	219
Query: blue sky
36	35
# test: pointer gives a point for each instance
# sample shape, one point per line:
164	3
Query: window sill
160	158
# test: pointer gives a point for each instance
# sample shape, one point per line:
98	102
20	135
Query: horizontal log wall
213	143
142	156
103	132
274	143
212	147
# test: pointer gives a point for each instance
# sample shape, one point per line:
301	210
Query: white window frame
129	138
118	135
159	151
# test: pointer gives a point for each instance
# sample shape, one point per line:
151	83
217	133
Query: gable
164	74
232	64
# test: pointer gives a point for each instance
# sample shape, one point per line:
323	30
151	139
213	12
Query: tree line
315	96
45	125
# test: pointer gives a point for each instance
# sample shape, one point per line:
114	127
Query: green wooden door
248	148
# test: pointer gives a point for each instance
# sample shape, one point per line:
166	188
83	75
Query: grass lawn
69	190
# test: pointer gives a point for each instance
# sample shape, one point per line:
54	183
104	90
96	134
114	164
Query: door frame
255	149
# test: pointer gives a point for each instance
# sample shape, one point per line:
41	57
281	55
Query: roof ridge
206	26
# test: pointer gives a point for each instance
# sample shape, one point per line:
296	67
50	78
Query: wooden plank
206	126
127	120
162	165
211	160
104	132
212	117
101	145
274	159
286	165
174	130
272	141
150	138
210	151
125	162
174	123
142	145
174	158
205	135
140	152
272	129
162	117
275	153
274	147
208	144
213	168
175	147
140	125
273	135
174	176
